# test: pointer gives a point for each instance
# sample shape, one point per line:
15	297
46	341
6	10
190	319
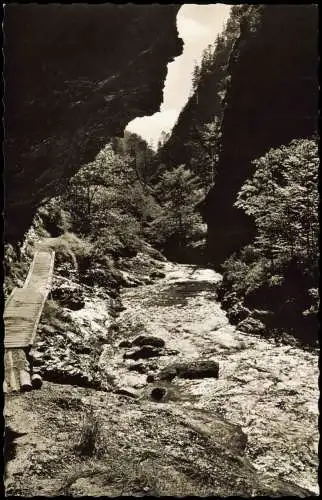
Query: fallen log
36	381
25	381
13	381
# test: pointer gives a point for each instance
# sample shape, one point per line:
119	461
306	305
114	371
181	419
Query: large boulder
70	375
251	325
101	276
143	352
158	393
142	340
192	369
125	343
138	367
69	296
237	313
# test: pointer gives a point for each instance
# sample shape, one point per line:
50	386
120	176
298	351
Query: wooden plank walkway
41	271
22	314
21	317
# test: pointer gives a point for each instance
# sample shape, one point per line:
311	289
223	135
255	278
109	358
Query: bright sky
198	25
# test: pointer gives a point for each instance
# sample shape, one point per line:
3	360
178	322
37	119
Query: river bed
270	390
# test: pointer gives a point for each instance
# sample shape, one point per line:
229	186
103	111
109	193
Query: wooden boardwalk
22	314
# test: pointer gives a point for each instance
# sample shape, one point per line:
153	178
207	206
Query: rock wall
75	75
271	99
203	106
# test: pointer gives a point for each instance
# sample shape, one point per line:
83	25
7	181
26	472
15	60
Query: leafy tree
111	202
178	192
107	201
142	154
282	197
279	272
96	186
195	77
206	149
164	137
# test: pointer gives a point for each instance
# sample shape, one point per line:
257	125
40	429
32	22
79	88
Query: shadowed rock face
75	75
272	98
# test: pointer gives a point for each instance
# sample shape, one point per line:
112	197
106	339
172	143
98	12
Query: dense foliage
283	198
124	198
279	270
107	201
178	192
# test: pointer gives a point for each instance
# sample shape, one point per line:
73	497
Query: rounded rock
158	393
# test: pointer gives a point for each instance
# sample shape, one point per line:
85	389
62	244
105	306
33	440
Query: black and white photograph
160	250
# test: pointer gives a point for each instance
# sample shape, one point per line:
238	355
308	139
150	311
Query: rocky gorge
185	402
162	377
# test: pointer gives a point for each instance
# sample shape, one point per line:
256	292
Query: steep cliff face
272	98
204	106
75	75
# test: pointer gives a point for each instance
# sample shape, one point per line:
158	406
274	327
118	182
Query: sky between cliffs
198	25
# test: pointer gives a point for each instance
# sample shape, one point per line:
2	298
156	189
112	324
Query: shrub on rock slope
277	272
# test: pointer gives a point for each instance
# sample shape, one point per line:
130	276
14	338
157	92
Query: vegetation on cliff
279	271
251	144
245	101
108	217
271	99
195	138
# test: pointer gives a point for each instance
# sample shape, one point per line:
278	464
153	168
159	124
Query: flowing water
270	390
